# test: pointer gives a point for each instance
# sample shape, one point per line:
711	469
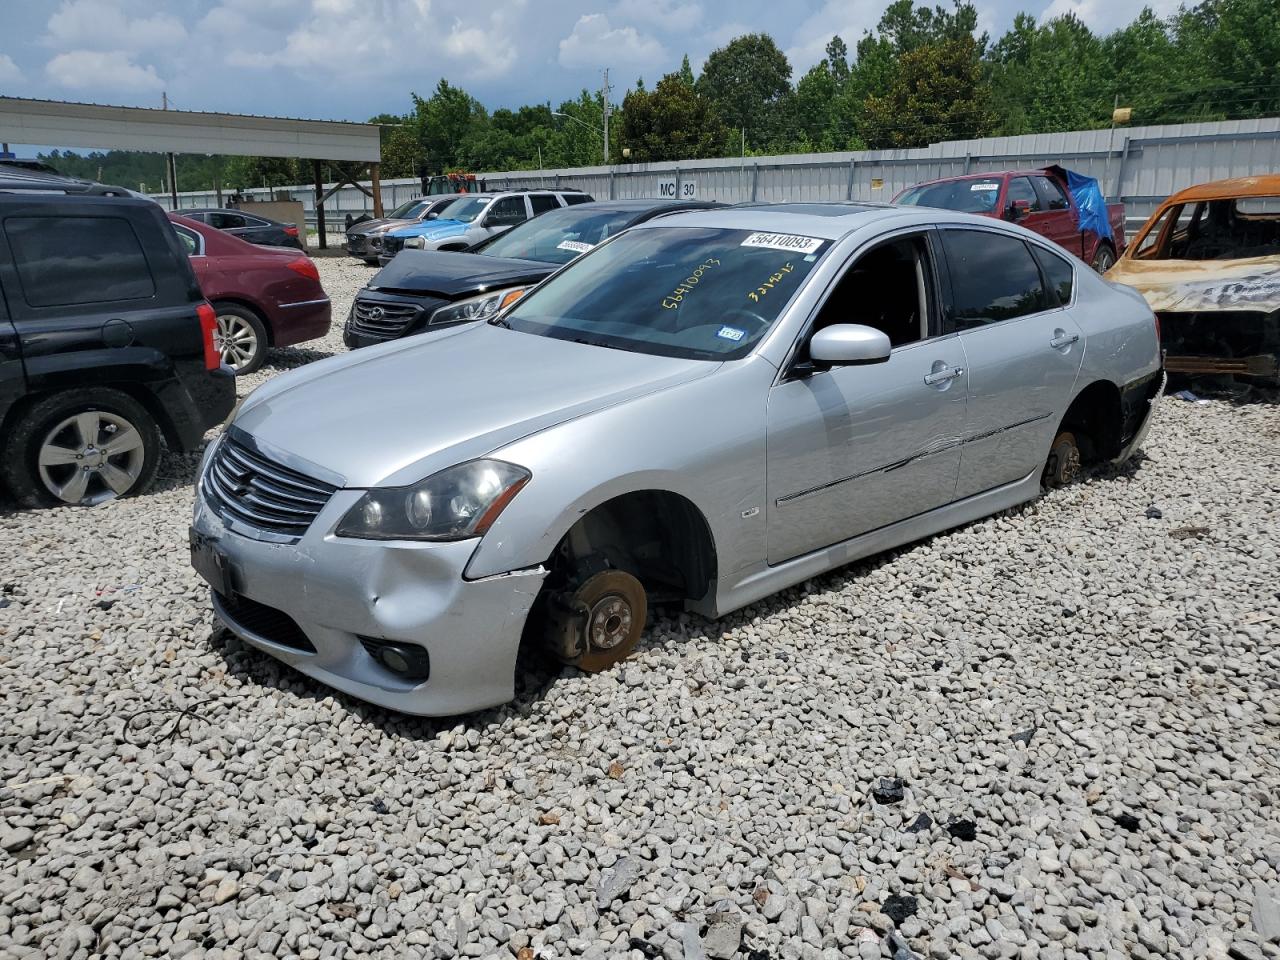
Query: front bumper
336	590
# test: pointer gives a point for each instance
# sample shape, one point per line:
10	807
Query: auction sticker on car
731	333
983	186
783	241
576	246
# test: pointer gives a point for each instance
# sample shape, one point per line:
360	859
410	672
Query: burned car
1208	263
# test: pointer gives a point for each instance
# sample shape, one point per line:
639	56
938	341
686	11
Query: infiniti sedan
702	410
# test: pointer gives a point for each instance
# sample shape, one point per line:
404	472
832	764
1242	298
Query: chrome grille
381	319
356	243
244	485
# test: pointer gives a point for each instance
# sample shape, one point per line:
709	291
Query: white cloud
112	70
9	72
849	21
107	25
595	42
669	15
1104	16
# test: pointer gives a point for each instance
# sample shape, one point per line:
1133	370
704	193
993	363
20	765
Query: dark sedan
419	289
250	227
262	297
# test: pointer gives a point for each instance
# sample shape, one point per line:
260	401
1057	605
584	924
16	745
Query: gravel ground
1054	733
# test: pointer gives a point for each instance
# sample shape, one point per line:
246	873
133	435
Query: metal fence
1139	165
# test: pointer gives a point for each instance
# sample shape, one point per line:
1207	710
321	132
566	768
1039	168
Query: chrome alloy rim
235	340
91	457
609	622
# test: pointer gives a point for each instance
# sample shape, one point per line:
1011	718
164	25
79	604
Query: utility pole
170	162
604	92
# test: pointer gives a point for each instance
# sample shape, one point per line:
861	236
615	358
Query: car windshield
964	196
693	292
560	235
408	211
466	209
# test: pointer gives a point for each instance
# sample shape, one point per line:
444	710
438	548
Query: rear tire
1104	258
1063	466
240	337
82	447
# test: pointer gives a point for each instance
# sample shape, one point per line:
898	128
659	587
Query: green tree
748	81
686	72
674	122
1054	76
938	93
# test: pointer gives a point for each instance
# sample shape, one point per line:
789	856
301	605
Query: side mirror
848	343
1019	209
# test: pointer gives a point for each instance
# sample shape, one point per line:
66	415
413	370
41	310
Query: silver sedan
702	411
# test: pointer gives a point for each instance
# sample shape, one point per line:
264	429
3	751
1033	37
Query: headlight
454	504
417	243
477	308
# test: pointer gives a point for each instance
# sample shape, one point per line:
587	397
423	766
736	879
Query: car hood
1174	286
395	413
433	229
451	275
378	226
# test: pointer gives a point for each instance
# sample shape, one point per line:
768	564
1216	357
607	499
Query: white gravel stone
1133	658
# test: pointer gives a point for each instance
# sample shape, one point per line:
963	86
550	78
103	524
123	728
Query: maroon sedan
264	296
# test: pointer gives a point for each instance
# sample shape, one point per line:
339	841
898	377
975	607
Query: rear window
1059	275
63	261
978	195
572	198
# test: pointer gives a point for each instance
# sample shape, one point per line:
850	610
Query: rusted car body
1208	263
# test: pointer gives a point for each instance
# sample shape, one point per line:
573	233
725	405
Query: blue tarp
1089	201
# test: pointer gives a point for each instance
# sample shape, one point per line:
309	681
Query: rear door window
993	278
542	202
572	198
1053	193
62	261
226	221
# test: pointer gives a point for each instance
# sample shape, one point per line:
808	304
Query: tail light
291	230
209	324
1159	335
304	267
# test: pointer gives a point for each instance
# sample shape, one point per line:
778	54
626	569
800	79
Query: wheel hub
609	623
90	457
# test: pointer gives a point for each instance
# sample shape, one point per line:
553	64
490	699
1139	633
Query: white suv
476	217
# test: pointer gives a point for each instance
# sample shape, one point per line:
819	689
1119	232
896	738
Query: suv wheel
81	447
240	338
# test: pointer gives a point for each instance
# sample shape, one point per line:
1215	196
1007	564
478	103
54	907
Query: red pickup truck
1038	199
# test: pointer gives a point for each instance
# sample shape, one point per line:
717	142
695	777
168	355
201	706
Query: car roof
644	203
985	175
828	221
1267	185
247	213
15	178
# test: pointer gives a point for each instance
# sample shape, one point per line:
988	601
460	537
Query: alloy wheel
91	457
235	340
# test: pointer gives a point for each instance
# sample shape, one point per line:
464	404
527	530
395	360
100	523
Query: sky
352	59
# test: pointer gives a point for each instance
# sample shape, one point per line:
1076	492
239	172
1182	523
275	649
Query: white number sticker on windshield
575	246
984	186
783	241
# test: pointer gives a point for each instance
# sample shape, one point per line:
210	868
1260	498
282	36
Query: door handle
943	375
1063	339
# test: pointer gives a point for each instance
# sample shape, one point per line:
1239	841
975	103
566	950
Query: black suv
106	342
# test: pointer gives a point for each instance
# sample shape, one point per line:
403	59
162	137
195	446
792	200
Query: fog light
406	660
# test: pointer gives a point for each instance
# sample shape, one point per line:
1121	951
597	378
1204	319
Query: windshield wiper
499	322
595	343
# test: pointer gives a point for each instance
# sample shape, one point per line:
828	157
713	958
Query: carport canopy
63	124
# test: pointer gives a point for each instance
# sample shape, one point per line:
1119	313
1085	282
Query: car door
850	449
542	202
233	223
1059	220
13	381
1023	349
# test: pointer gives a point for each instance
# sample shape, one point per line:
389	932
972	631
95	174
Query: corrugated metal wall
1140	165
